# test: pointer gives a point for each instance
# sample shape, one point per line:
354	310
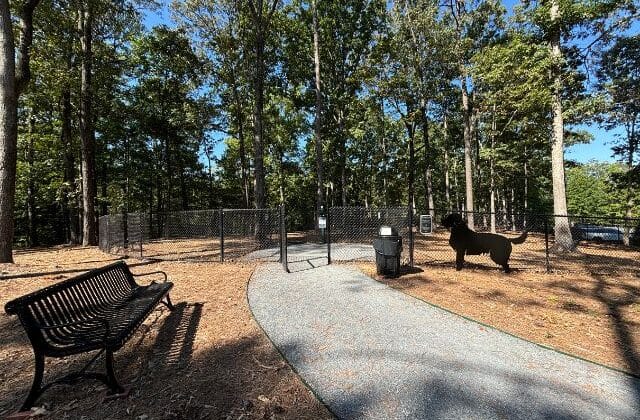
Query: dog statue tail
520	239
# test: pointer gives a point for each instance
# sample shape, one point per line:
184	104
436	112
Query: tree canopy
451	105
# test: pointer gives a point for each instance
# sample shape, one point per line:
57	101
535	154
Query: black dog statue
467	242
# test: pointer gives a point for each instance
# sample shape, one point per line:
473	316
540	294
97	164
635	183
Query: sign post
322	224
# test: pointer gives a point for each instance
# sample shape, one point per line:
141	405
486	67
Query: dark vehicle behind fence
588	232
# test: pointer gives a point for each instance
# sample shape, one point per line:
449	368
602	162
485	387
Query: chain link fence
592	243
589	243
199	235
353	229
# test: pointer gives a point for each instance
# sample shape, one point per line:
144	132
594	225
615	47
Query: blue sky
599	149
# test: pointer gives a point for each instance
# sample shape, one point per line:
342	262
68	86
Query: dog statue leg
459	259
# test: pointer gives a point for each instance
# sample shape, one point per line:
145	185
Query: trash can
388	247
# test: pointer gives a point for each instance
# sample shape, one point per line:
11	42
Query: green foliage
173	108
620	80
592	190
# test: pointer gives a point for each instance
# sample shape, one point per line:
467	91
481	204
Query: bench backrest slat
77	297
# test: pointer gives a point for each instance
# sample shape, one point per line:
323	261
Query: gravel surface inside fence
315	251
369	351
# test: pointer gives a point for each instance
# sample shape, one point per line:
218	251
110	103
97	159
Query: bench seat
98	310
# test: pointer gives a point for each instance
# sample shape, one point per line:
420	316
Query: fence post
284	259
142	216
546	243
410	220
221	225
329	235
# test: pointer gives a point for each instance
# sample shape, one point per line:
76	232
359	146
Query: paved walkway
371	352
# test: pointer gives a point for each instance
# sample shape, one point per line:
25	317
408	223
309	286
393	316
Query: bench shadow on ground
221	381
443	396
173	376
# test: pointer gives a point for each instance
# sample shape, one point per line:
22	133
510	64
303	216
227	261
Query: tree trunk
492	186
318	118
31	186
14	77
428	185
342	156
410	127
468	165
70	203
87	135
281	175
8	133
410	213
104	182
159	191
447	182
456	187
563	240
513	209
526	190
258	131
505	210
168	204
184	197
632	145
239	117
210	180
385	195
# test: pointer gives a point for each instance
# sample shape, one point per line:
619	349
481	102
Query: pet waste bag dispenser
388	247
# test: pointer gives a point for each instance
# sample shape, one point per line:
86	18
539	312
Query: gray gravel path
314	252
372	352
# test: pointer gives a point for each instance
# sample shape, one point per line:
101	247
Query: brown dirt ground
197	249
589	257
207	359
591	315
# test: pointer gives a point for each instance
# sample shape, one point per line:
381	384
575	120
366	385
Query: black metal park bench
99	310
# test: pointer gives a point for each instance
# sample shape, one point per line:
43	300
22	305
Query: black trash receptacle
388	247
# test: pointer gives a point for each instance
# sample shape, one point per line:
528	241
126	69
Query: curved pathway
369	351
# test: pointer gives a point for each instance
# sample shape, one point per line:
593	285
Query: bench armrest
152	272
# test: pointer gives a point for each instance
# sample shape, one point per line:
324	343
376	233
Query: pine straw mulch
588	257
207	359
592	315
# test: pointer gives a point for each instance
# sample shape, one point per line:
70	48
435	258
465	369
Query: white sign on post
322	222
426	225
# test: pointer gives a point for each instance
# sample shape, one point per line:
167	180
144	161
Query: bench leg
37	382
168	303
112	382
